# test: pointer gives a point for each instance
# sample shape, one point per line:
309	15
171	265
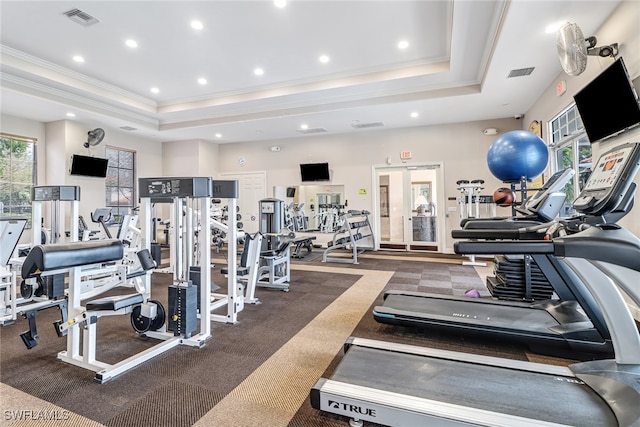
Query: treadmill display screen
608	169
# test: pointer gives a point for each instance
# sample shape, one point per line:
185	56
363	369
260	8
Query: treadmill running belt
532	395
486	315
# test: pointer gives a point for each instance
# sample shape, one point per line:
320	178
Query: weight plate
158	322
26	291
139	323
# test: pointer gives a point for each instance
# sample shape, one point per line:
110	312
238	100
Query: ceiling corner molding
32	88
64	76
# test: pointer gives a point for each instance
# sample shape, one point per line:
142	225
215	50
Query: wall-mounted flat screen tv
291	191
608	105
88	166
314	172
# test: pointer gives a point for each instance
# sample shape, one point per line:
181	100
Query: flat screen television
314	172
88	166
608	105
291	191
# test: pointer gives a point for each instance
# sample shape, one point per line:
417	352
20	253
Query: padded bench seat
114	303
65	255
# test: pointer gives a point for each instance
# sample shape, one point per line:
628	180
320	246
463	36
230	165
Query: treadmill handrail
533	232
606	242
510	247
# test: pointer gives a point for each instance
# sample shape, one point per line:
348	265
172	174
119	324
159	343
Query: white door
252	189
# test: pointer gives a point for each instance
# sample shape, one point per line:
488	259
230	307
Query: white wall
622	28
461	147
58	141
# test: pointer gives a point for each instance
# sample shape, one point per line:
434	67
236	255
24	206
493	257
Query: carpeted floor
255	373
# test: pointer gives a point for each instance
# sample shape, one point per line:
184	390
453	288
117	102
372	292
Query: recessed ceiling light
131	43
70	114
155	90
196	25
414	114
403	44
202	81
78	58
218	135
280	3
324	59
258	71
304	126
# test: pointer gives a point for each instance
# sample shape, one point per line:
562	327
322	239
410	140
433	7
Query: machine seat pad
114	303
240	271
278	252
65	255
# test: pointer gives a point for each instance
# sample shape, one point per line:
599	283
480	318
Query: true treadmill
404	385
570	326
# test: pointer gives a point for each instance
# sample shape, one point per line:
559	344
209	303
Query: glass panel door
423	218
391	216
407	211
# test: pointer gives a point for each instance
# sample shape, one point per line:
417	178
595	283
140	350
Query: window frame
119	209
26	207
573	137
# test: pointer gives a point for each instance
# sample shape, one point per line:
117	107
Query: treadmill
543	206
403	385
570	326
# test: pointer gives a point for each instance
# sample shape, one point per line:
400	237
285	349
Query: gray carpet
175	388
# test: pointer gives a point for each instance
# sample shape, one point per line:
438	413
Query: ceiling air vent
313	130
359	125
521	72
80	17
129	128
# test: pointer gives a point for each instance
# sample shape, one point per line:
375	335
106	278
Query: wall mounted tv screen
314	172
88	166
608	105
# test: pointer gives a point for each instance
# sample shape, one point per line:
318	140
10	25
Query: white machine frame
83	323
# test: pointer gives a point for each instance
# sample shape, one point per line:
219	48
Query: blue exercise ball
517	154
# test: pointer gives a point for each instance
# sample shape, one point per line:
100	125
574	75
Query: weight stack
54	286
194	279
182	316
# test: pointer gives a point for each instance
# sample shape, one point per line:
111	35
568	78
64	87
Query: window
17	175
120	189
572	149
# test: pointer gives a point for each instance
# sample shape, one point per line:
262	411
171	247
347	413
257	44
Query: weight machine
83	260
355	230
44	292
54	194
239	289
275	256
469	202
10	231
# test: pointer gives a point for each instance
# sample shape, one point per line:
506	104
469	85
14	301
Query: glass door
408	208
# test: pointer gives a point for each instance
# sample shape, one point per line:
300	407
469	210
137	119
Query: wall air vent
312	130
520	72
129	128
360	125
80	17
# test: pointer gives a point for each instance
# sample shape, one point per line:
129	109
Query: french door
410	212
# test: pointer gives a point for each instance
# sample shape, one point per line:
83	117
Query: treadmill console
48	193
609	181
165	189
556	182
